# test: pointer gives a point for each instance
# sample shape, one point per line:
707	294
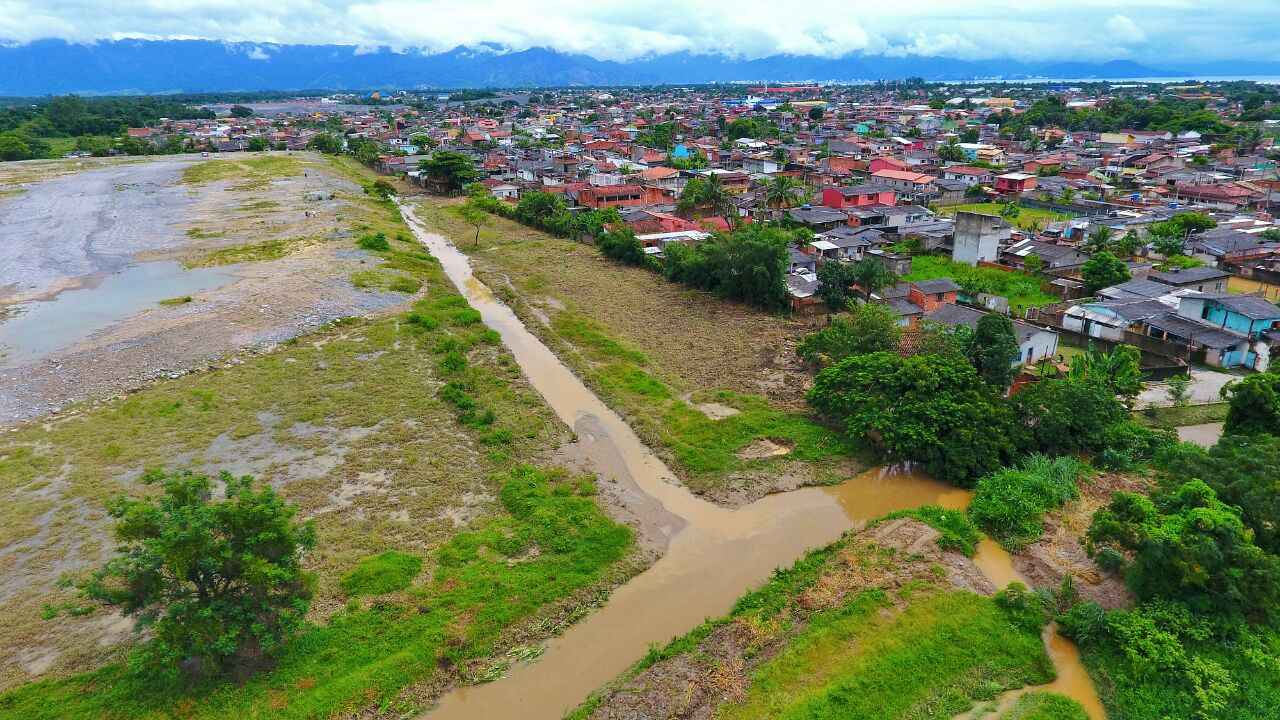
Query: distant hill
141	66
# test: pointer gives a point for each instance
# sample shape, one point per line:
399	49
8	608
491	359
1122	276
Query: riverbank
713	386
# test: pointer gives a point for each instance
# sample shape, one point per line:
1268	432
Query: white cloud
1157	30
257	53
1125	30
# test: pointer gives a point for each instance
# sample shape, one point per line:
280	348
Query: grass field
1022	289
1028	218
1182	416
406	438
654	351
853	630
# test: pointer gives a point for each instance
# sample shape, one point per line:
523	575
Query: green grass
383	280
264	251
1028	218
1022	289
382	574
706	450
1010	504
933	660
1181	416
485	580
175	301
958	532
1045	706
253	171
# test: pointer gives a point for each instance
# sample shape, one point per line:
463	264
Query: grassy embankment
655	350
404	434
1028	218
1022	289
857	629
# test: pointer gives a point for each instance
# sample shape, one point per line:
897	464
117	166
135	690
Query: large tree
834	279
867	328
1186	544
1103	270
1254	404
994	350
931	409
219	585
452	170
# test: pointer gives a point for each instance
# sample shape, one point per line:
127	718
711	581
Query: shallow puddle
37	329
715	554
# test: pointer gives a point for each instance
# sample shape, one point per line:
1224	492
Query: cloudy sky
1152	31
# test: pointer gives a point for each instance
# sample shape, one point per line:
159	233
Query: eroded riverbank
713	555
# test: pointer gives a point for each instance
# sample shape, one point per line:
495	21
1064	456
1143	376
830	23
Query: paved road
1205	386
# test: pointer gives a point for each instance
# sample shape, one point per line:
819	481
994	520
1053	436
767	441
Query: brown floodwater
713	555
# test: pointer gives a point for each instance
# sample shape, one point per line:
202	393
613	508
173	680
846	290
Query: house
978	237
608	196
818	219
801	262
1015	183
950	192
1200	279
969	175
859	196
917	186
929	295
1034	343
1052	257
843	243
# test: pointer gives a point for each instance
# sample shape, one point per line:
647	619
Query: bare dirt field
115	273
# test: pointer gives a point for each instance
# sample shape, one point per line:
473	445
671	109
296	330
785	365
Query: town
893	399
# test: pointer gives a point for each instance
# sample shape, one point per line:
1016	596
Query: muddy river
713	556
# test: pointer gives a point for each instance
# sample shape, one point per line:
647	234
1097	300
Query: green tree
867	328
1254	405
240	111
1103	270
1179	391
1120	370
218	584
451	170
708	196
1010	210
816	112
1098	240
994	350
1244	470
621	245
1185	544
951	152
834	279
872	275
327	143
783	191
473	214
258	144
1064	415
1126	245
931	409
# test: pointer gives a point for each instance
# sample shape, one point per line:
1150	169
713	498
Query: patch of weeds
1010	504
374	241
382	574
1041	705
170	302
958	532
387	281
198	234
264	251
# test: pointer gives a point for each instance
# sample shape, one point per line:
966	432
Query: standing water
715	554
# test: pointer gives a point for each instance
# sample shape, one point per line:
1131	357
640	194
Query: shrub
250	594
867	328
1127	444
374	241
1024	608
381	574
957	531
1010	504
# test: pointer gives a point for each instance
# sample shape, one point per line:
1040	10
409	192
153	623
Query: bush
867	328
957	531
1010	504
381	574
1042	705
1024	608
374	241
1127	444
1255	405
1066	415
622	245
250	594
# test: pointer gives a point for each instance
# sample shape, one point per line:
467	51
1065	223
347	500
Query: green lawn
1023	289
1028	218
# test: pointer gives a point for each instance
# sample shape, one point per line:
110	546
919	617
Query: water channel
715	554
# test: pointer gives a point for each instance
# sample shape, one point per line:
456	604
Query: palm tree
782	192
1098	240
711	194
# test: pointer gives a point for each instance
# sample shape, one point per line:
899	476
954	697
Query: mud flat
115	274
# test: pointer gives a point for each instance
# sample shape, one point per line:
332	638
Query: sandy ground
71	230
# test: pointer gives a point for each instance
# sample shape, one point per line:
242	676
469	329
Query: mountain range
161	66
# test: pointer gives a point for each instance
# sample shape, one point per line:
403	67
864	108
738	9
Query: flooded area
1206	436
713	554
39	328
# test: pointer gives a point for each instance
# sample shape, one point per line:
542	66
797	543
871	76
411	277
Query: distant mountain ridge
145	66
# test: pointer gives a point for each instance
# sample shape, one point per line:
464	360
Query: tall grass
1010	504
